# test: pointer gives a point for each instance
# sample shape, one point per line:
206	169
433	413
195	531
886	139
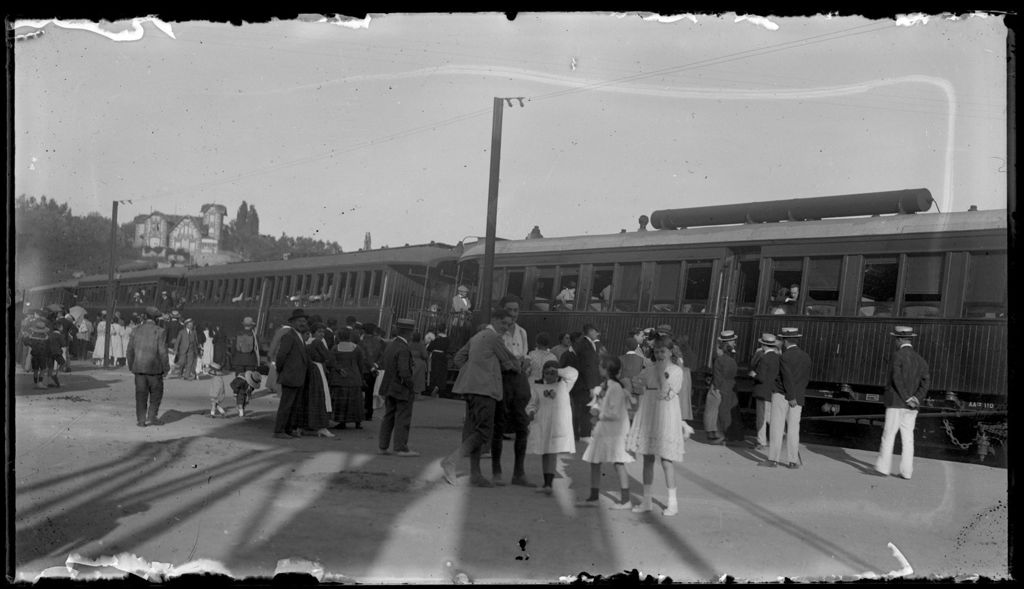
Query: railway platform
224	495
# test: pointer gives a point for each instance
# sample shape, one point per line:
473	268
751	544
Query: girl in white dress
101	339
658	429
550	413
207	357
117	347
609	434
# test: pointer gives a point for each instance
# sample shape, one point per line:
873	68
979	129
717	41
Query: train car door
742	273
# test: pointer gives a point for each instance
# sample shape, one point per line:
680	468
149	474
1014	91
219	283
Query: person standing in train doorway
907	385
788	400
511	410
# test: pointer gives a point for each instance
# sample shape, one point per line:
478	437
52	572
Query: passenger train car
945	274
375	286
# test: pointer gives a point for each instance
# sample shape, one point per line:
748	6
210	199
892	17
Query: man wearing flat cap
147	360
788	399
397	389
906	387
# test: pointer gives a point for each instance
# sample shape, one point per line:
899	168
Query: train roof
135	275
785	231
413	254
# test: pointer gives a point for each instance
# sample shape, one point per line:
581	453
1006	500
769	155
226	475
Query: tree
253	221
242	220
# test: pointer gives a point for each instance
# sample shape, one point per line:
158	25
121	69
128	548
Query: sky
337	128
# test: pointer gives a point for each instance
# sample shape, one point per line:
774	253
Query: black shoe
793	465
141	424
155	422
768	464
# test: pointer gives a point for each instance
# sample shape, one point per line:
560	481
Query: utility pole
486	276
110	283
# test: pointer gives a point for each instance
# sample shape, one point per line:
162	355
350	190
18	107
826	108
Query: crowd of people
548	400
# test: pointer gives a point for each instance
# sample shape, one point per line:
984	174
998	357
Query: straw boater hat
790	333
768	339
727	335
903	331
175	313
252	378
248	322
665	328
463	288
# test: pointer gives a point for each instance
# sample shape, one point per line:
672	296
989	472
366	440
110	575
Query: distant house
156	233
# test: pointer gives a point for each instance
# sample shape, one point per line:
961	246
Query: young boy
243	384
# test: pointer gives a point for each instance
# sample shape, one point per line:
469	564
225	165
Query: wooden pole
110	286
486	280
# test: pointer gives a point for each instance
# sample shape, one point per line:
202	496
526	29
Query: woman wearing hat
346	381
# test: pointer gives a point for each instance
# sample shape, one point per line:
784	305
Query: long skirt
313	402
347	401
438	370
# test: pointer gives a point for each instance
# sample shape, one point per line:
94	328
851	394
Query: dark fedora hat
298	314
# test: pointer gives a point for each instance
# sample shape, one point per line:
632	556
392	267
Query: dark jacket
396	362
186	341
171	330
292	360
147	350
588	364
908	377
723	375
766	369
372	346
794	374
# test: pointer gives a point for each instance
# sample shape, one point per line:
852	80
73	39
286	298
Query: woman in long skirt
658	430
550	413
101	339
117	342
608	443
220	350
438	351
346	381
206	358
316	407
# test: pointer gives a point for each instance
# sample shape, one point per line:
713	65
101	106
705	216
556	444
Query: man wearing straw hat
147	360
907	385
724	381
765	369
788	399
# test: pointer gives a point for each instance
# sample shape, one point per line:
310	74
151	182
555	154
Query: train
843	269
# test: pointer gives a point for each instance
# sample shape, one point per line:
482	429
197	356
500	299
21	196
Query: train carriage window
516	282
626	289
985	293
568	280
921	292
344	287
544	289
601	288
784	296
286	289
822	296
747	275
666	286
878	293
378	283
697	288
497	285
328	289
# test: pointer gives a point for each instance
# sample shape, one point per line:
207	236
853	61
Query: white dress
101	340
609	435
658	426
207	358
551	429
117	340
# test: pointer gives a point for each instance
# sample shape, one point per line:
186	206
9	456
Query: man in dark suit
396	388
588	364
292	362
147	360
907	386
788	399
480	363
186	350
171	328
